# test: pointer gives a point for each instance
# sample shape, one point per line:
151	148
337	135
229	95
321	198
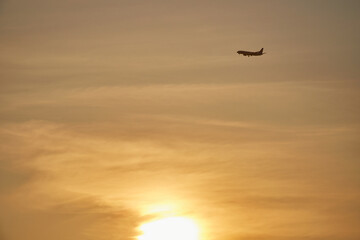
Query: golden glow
163	209
174	228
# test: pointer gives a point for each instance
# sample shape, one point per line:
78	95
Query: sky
116	113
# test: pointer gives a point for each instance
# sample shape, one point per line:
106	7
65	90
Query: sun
170	228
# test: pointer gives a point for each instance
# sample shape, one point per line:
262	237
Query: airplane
246	53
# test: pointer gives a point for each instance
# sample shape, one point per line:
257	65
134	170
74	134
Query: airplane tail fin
261	51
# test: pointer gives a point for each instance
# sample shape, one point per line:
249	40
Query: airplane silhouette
247	53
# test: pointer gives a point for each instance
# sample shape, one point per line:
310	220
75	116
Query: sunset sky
118	113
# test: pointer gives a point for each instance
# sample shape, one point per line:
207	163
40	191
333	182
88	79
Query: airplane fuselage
248	53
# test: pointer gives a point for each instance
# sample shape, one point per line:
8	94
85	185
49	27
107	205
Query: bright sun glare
170	228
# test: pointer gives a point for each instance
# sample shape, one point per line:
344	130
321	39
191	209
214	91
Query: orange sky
111	110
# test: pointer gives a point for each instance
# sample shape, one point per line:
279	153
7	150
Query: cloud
75	216
34	206
98	175
109	108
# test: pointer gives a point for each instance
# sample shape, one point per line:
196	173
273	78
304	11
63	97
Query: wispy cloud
109	109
